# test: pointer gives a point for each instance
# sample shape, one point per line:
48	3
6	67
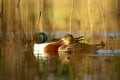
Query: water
108	51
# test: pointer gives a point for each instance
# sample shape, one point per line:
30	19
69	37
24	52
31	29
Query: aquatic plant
84	39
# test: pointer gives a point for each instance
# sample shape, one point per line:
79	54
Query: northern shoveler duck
47	51
70	43
45	48
71	47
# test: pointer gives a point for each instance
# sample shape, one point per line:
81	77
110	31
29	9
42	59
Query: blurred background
97	20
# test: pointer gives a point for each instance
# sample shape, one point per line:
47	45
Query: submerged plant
115	68
63	70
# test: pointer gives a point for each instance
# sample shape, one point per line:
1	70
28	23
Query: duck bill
60	41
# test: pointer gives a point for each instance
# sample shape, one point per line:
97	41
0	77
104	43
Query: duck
70	43
73	45
45	48
52	47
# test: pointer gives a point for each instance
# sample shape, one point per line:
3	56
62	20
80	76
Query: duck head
68	39
40	37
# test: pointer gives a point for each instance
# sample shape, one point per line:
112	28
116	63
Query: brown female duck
70	44
71	47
